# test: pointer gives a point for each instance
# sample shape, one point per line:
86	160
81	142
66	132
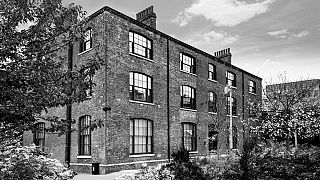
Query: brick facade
110	144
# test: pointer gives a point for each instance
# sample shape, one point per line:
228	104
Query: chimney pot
224	55
147	17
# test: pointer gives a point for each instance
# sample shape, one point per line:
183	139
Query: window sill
193	152
83	157
141	155
188	73
212	113
232	116
212	80
85	51
141	102
185	109
141	57
252	93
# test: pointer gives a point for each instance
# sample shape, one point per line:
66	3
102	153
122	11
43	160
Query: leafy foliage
31	163
34	41
290	112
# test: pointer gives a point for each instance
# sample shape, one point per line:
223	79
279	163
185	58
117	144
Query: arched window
141	136
86	42
188	97
233	104
39	134
231	79
189	136
187	63
252	87
234	137
140	45
212	102
84	135
212	72
140	87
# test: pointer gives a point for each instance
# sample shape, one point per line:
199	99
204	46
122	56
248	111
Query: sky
266	37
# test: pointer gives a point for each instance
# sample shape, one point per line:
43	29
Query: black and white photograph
159	90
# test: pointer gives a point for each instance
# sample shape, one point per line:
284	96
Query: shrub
183	169
31	163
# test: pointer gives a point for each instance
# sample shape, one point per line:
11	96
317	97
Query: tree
289	111
33	73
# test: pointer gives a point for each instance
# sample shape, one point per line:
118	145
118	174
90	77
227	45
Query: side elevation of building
155	94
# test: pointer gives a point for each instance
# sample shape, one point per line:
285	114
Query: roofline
115	12
286	83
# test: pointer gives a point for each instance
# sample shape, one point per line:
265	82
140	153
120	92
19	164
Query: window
231	79
233	104
252	109
234	137
86	42
39	134
140	45
187	63
188	99
212	102
140	87
141	136
252	87
88	78
212	72
189	136
85	135
213	137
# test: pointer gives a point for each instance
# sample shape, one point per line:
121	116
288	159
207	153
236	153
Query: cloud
223	12
212	37
278	33
285	34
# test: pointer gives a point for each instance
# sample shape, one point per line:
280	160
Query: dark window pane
84	135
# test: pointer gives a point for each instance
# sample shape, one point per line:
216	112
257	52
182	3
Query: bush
183	169
31	163
158	172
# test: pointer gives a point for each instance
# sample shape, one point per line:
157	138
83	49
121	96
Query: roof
115	12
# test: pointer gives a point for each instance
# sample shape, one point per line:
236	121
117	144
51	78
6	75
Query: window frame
39	134
212	75
212	102
234	137
193	104
252	88
229	79
252	109
234	106
192	66
148	91
193	136
85	41
148	52
133	136
83	133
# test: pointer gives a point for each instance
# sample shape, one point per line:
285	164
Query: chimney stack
224	55
147	17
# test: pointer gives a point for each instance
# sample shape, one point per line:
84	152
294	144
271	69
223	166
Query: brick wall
110	144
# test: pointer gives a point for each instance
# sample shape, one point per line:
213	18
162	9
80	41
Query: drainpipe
69	109
168	100
243	112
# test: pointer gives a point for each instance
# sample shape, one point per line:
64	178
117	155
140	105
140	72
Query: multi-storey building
155	94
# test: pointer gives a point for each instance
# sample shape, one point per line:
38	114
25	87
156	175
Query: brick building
155	94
